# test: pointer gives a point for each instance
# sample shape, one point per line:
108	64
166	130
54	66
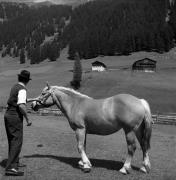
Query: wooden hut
146	65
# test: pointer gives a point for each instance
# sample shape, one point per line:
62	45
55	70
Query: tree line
121	27
100	27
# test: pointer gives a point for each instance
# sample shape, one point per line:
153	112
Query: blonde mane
71	90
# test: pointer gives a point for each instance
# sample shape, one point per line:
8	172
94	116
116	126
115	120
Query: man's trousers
14	130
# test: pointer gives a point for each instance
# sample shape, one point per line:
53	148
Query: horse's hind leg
146	166
81	139
131	145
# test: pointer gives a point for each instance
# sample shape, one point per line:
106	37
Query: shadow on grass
73	161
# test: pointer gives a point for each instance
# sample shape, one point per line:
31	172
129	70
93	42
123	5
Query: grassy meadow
159	88
49	147
50	153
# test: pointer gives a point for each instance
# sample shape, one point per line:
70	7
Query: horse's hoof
84	167
128	170
80	164
86	170
90	164
143	169
123	171
148	168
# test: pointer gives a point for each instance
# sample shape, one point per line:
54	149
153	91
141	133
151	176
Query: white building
98	66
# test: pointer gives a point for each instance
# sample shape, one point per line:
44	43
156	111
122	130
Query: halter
46	96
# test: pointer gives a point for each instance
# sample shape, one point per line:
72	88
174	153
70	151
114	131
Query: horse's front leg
81	139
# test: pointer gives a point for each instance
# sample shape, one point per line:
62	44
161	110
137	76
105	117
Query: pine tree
77	72
22	56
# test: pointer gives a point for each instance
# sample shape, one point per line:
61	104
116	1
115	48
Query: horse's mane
70	90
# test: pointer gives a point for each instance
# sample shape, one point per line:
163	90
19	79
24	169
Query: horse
87	115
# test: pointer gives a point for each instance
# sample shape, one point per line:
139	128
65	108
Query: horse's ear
47	84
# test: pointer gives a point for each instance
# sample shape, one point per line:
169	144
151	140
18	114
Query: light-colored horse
102	117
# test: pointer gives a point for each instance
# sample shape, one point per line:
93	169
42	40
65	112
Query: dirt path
50	152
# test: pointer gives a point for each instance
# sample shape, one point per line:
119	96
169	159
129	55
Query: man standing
13	118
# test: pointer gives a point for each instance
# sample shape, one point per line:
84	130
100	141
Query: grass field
49	148
50	152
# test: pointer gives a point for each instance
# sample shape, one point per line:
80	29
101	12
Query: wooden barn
146	65
98	66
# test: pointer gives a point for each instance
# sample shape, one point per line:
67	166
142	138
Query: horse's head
59	95
45	99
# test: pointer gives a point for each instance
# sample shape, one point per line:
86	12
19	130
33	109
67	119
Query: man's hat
25	74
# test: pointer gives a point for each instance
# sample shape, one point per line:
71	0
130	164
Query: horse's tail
147	122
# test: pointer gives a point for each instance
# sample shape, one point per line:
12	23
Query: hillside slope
159	88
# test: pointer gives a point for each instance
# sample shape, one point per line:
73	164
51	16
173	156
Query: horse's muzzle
34	106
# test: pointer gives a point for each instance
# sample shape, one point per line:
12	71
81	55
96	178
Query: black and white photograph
87	89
